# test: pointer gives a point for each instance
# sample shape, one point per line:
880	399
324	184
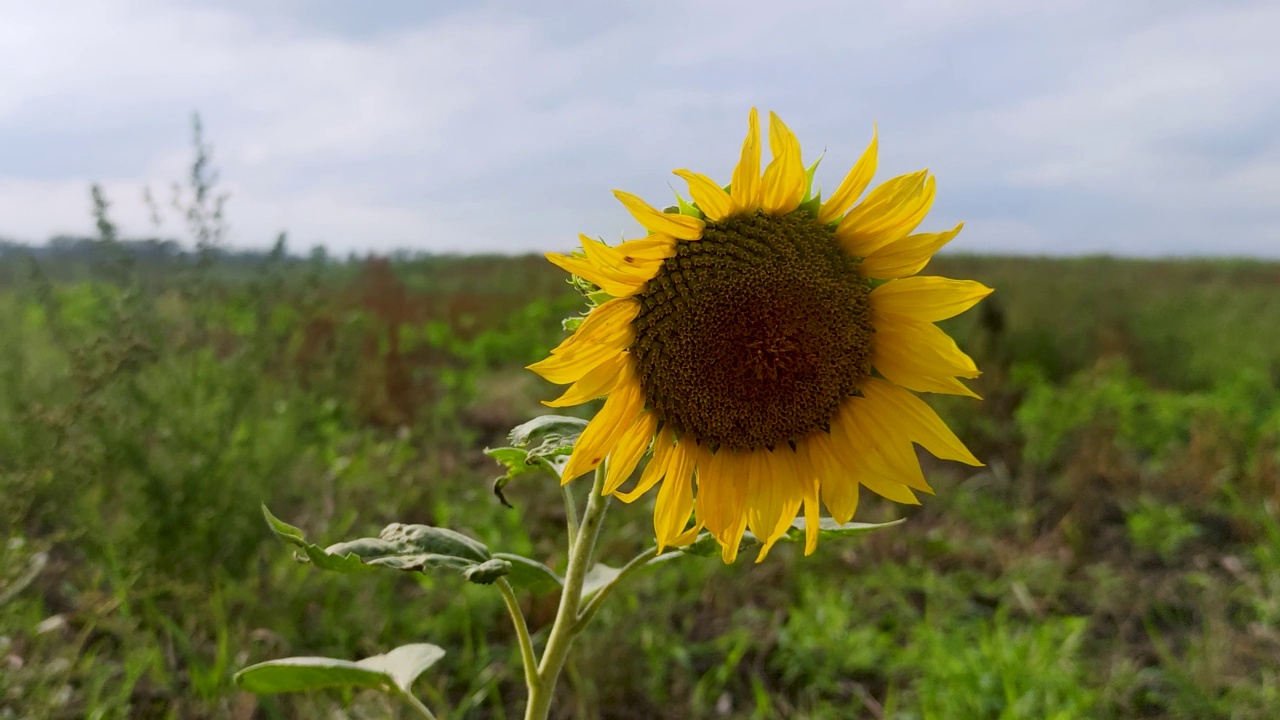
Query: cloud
1071	125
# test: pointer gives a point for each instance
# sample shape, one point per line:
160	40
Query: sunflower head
760	346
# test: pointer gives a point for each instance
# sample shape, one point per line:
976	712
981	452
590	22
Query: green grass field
1118	556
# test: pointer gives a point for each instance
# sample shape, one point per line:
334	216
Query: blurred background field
1118	557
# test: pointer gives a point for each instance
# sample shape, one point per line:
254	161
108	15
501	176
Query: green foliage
1118	557
1160	529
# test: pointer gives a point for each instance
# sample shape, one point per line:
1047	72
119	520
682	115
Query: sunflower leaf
395	670
530	574
597	577
311	552
417	548
544	443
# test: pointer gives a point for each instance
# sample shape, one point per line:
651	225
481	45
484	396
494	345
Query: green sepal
808	184
393	672
811	206
554	436
690	209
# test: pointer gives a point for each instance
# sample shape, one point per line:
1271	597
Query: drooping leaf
311	552
530	574
395	670
416	548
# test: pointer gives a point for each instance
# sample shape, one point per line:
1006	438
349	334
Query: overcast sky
1141	127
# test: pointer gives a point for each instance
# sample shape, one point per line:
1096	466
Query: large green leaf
395	670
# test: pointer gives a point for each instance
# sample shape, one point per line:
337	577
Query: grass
1119	556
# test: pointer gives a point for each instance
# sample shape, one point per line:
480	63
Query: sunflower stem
527	656
565	628
570	513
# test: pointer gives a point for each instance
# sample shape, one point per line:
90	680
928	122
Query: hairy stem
527	657
565	628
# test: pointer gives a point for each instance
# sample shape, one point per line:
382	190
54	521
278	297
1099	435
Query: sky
1143	127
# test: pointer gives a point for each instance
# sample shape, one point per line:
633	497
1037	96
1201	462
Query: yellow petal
606	332
687	537
905	257
778	494
607	427
634	258
922	424
618	266
890	490
608	325
926	299
675	497
663	449
627	453
837	484
654	247
867	468
745	188
719	502
878	436
682	227
565	369
853	184
889	213
593	273
712	200
811	506
722	499
785	177
920	357
594	384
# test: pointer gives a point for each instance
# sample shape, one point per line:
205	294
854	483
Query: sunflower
765	347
